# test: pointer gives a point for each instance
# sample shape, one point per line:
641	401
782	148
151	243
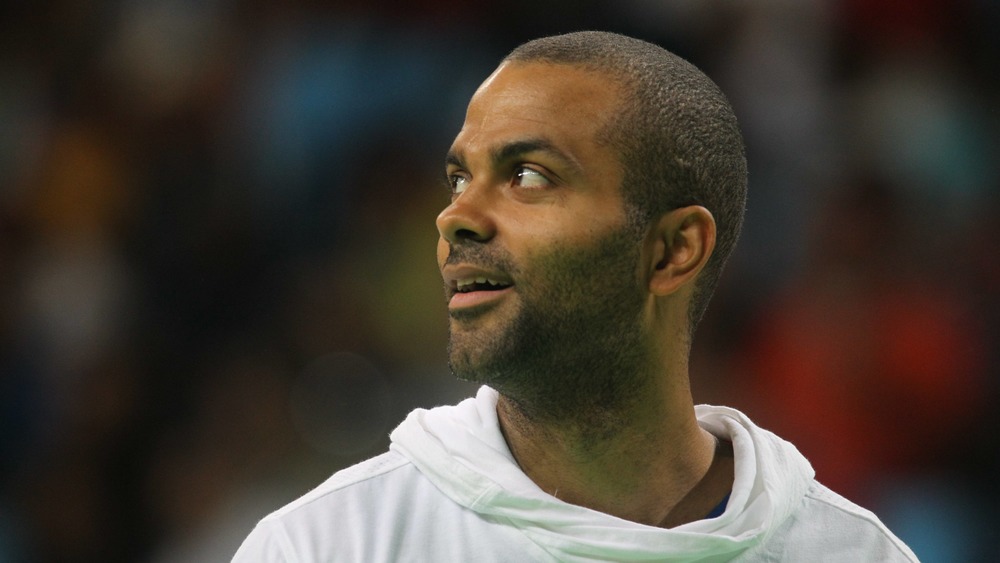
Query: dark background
217	275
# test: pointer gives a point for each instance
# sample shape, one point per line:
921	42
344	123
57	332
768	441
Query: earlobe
685	239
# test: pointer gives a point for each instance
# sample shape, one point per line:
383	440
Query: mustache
491	257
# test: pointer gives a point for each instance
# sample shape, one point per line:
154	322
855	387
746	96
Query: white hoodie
450	490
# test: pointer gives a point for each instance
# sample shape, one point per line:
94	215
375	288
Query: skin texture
587	341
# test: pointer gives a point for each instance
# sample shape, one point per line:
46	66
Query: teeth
466	282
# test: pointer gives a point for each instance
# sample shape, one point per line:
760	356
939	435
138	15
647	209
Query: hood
461	450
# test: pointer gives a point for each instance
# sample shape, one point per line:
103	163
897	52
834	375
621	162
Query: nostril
466	234
461	221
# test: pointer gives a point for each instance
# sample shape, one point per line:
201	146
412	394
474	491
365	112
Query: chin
476	356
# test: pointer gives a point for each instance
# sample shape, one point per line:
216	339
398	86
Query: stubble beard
572	349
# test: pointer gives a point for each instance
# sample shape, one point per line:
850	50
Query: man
598	185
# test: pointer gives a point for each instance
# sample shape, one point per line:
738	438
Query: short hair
676	132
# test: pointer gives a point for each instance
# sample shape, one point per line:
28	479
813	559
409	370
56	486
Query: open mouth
469	285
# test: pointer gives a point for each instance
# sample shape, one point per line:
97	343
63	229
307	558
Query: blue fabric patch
718	510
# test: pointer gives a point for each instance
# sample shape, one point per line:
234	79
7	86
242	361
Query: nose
466	219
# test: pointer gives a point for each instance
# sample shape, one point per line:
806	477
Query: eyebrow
515	149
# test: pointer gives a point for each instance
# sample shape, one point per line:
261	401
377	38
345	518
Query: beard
571	346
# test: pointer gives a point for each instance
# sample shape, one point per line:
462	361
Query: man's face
540	269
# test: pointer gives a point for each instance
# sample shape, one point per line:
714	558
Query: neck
644	460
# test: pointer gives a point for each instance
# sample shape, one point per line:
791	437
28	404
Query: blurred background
217	274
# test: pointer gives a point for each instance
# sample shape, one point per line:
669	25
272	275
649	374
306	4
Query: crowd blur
217	274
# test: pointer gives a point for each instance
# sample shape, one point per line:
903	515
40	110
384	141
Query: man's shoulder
828	526
374	474
323	521
374	512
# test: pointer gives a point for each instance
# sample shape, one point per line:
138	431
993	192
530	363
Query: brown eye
530	178
458	183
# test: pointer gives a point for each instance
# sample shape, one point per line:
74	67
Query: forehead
564	104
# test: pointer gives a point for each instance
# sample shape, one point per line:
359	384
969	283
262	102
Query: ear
684	241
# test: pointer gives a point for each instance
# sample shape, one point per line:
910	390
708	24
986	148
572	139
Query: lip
470	299
452	273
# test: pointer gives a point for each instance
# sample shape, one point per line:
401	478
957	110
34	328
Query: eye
458	183
530	178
